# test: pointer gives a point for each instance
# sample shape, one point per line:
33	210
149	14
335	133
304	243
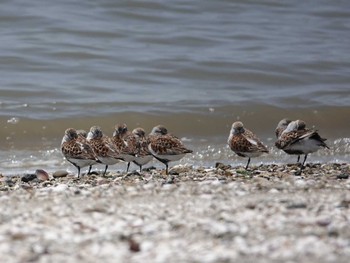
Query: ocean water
195	66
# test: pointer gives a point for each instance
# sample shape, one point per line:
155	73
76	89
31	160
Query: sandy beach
221	214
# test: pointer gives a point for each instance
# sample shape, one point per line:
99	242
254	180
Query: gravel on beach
224	214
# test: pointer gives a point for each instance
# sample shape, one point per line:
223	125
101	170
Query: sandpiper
82	134
245	143
103	147
166	147
77	150
297	139
122	140
281	126
143	155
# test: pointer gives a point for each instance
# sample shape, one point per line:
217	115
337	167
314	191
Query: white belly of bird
109	160
81	162
306	146
127	158
171	158
251	154
141	160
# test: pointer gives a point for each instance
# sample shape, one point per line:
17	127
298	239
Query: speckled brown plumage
103	147
77	150
297	139
244	142
140	142
123	141
241	145
166	147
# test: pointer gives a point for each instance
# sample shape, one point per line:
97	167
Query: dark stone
298	173
10	183
134	246
148	169
173	172
28	177
333	233
343	176
251	206
297	206
344	204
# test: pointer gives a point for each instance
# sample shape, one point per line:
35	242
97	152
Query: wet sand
221	214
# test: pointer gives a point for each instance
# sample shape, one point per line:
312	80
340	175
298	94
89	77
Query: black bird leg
247	164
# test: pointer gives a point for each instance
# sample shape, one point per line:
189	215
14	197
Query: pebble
300	183
324	222
28	177
273	191
60	173
297	206
343	176
168	187
10	182
134	246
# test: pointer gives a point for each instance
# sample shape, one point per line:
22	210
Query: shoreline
336	169
218	214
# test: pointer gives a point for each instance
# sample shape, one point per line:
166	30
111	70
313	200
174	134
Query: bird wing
254	144
78	150
288	138
168	145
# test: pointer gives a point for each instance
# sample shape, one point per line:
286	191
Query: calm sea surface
194	66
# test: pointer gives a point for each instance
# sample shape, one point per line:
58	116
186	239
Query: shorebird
122	140
103	147
76	149
281	126
297	139
143	155
82	134
166	147
245	143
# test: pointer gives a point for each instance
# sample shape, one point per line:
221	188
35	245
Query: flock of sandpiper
86	149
